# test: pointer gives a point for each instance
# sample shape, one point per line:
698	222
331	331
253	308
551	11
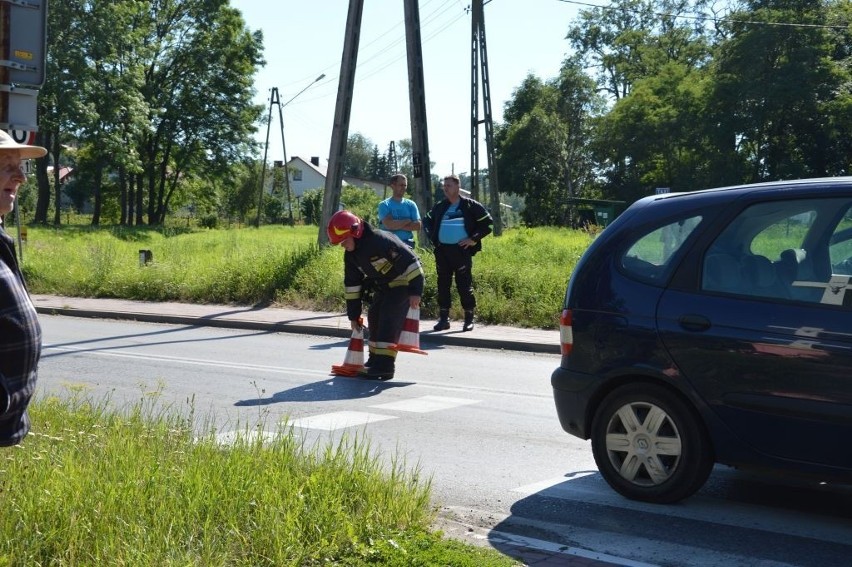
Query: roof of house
64	172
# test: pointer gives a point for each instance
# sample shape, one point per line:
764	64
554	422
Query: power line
708	17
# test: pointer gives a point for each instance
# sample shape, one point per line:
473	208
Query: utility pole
417	104
393	164
342	111
273	99
479	55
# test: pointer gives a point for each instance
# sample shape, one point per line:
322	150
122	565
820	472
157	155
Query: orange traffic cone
409	338
354	359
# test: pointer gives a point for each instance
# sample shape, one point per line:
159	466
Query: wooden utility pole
417	106
479	62
342	111
417	103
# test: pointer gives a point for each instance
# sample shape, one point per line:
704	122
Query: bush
209	221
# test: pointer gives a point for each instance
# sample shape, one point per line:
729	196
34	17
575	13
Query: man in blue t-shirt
398	214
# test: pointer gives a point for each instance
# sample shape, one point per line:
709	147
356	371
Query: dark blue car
713	327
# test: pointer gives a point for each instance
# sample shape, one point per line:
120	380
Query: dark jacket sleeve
477	222
353	285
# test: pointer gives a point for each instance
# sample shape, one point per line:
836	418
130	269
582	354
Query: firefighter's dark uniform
391	268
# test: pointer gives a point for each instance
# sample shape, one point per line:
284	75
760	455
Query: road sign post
24	41
23	27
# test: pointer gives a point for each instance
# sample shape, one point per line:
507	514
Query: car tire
650	445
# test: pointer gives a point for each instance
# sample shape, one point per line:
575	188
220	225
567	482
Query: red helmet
342	225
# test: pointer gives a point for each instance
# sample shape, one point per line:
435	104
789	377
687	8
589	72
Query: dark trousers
454	261
386	316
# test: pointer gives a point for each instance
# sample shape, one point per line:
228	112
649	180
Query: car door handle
694	322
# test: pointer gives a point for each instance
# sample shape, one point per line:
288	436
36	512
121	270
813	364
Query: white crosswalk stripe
425	404
339	420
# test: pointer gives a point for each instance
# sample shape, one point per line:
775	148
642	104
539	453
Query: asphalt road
479	422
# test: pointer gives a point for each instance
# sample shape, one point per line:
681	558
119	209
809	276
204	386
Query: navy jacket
477	221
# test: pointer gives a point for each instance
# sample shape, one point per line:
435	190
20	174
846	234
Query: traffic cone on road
354	359
409	338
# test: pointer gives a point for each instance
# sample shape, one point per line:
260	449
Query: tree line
151	102
664	94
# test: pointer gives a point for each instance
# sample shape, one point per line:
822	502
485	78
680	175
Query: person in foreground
20	332
456	227
400	215
394	272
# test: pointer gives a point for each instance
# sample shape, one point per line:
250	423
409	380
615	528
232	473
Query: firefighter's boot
381	368
444	322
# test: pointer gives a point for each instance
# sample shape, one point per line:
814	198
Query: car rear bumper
571	393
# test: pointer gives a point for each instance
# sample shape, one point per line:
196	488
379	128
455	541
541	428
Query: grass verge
91	486
519	277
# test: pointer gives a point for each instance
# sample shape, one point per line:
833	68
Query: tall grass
519	277
93	486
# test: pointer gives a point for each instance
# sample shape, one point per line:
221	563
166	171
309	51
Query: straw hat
27	152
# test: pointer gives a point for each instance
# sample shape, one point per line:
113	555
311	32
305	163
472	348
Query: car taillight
566	332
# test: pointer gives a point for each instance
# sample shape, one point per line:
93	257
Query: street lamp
274	99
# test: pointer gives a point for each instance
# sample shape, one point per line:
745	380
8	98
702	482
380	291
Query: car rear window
649	257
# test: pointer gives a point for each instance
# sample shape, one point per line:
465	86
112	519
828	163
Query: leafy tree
631	39
379	170
362	201
774	85
837	112
199	88
156	94
651	138
359	151
312	206
59	97
239	190
542	149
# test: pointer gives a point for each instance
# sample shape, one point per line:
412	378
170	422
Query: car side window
840	249
649	257
777	250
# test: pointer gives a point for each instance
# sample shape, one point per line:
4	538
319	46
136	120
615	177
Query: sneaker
442	325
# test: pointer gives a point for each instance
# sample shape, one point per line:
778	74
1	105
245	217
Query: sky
304	39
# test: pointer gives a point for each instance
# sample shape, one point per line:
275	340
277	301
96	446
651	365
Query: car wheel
649	444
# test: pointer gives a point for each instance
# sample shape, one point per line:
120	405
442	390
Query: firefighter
394	272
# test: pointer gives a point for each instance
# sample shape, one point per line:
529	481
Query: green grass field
519	277
91	485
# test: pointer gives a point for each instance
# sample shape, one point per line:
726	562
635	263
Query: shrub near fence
519	277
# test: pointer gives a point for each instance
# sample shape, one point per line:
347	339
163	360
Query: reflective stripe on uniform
352	292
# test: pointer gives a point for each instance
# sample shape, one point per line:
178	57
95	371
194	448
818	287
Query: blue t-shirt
399	210
452	226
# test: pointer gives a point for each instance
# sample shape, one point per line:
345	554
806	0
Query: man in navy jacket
456	227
